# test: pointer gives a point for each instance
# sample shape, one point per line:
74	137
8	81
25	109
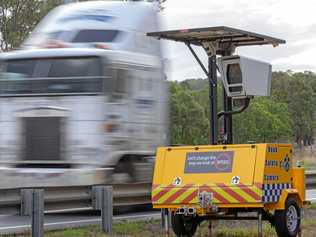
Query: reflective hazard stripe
191	197
178	193
232	193
185	196
222	193
218	197
161	192
255	193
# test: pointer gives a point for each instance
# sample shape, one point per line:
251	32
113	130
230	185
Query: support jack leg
260	232
210	228
166	221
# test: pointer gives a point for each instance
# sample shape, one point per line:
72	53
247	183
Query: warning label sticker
209	162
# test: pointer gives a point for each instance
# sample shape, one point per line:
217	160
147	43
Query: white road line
83	221
51	224
137	216
14	227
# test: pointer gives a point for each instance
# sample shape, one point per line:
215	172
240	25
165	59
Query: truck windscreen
51	76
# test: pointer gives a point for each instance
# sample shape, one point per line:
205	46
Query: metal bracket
198	59
219	48
211	48
222	113
200	63
227	48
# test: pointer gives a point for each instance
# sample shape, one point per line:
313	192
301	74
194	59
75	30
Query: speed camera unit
199	183
244	77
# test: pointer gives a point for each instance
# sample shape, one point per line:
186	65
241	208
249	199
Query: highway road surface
19	224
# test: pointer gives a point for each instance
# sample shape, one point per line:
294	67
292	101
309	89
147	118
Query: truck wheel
183	227
124	172
287	222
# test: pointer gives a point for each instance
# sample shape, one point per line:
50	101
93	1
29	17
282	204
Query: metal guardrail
310	180
14	201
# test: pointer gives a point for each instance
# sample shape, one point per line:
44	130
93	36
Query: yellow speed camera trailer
251	176
205	181
221	181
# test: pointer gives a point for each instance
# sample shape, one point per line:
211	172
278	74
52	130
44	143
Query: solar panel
220	34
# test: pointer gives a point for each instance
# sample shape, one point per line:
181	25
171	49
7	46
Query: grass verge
152	228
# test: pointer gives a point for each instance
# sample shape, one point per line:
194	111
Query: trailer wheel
183	226
287	222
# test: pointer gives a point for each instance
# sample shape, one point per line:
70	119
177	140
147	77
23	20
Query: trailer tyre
287	222
183	226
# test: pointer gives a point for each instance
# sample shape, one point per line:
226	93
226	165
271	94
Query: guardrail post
107	208
260	231
26	202
165	220
96	196
37	213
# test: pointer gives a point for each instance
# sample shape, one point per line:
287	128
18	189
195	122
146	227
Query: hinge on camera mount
219	48
211	48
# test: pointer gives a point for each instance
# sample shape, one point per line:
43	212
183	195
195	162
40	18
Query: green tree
280	86
302	107
189	124
298	90
268	119
264	121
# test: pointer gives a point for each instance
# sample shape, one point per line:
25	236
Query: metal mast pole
212	78
228	118
228	105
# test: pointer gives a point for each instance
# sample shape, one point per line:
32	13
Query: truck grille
42	138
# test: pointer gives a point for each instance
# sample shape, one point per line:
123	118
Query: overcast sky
292	20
